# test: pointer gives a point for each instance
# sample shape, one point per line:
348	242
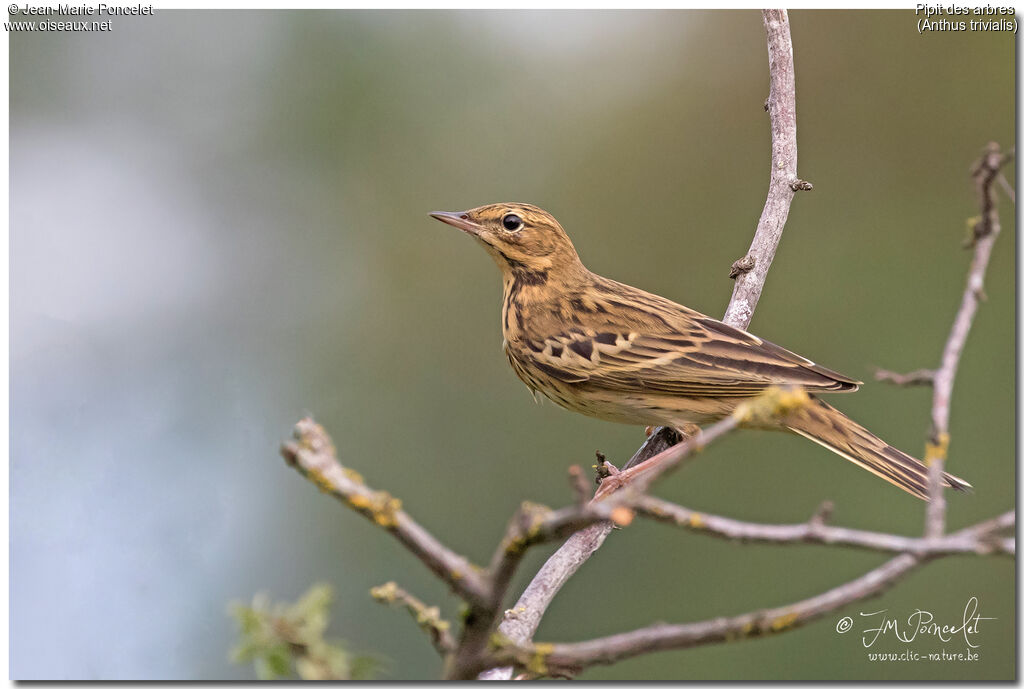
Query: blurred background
218	225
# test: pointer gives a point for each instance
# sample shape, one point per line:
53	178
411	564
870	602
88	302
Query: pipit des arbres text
618	353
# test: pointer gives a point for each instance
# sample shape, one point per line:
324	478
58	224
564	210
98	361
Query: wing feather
658	346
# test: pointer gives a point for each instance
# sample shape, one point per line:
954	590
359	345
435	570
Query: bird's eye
512	222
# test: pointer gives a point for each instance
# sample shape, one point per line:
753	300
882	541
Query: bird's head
524	240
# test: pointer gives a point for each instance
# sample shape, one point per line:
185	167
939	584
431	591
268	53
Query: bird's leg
639	464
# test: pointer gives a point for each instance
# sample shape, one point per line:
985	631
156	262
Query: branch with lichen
535	524
312	453
481	645
984	541
428	617
568	659
983	231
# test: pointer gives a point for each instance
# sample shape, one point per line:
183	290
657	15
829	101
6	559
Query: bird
615	352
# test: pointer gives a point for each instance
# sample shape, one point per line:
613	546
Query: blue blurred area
218	224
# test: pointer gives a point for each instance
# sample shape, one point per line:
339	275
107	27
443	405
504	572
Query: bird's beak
459	220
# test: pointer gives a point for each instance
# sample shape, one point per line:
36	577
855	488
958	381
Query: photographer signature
917	624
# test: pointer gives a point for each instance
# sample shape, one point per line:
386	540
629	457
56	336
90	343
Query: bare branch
313	454
816	531
427	617
522	620
772	403
579	485
922	376
985	232
534	524
751	272
781	106
1007	189
570	658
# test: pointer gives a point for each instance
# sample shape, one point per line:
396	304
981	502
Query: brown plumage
618	353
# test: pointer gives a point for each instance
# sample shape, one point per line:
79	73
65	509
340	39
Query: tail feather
831	428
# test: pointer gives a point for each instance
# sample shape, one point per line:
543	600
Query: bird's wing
654	345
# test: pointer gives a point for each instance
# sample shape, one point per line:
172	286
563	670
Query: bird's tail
828	426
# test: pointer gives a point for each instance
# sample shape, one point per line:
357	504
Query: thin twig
750	277
816	531
313	454
570	658
578	484
535	524
427	617
922	376
1007	188
986	230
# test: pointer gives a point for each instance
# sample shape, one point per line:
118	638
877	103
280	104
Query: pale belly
638	409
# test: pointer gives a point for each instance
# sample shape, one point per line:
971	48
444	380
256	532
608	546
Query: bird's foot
617	479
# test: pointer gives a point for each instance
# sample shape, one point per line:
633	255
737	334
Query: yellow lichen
320	481
784	621
697	520
379	506
538	664
385	593
771	404
431	617
937	450
531	520
353	475
513	613
499	641
386	510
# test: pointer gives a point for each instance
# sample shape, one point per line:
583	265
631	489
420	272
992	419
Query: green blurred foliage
284	640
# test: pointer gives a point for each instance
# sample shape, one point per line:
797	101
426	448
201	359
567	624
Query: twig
313	454
1007	189
922	376
535	524
781	106
774	402
578	484
569	658
815	530
986	230
427	617
522	620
